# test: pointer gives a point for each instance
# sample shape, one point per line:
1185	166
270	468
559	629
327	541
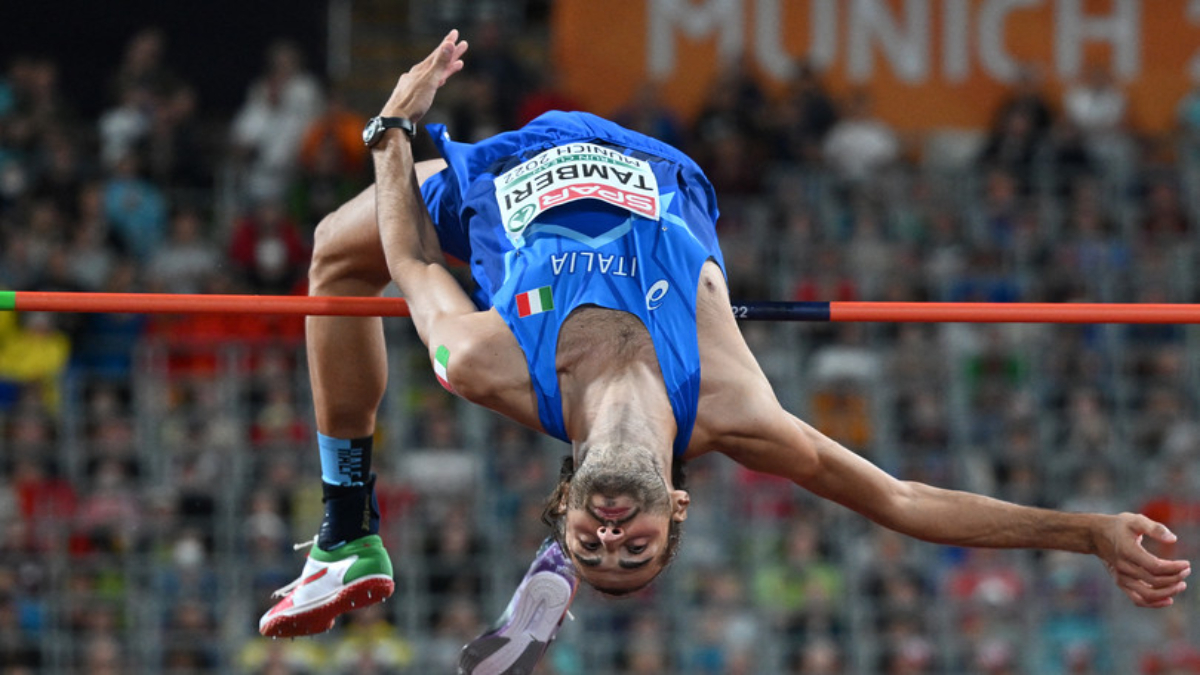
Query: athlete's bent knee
324	267
347	258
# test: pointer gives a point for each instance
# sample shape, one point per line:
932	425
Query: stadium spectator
799	587
136	209
1164	219
109	514
1099	107
1027	98
371	645
267	249
174	151
19	650
46	501
1096	103
191	637
818	656
454	627
267	130
860	145
1067	158
728	133
112	337
90	243
34	354
1020	127
143	64
333	164
1014	143
277	420
340	127
62	171
104	654
122	127
801	117
42	108
186	258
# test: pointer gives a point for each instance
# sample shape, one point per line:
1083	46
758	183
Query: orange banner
927	63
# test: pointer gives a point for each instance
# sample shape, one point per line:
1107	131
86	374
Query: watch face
371	130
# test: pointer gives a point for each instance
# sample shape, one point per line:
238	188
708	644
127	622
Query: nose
610	533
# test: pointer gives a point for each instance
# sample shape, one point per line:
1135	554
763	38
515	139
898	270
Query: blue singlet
582	252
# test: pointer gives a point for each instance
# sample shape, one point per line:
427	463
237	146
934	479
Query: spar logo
636	202
572	172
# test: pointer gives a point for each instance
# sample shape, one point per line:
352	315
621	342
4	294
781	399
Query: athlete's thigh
347	243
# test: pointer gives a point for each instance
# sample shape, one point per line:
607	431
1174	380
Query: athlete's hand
1148	580
414	92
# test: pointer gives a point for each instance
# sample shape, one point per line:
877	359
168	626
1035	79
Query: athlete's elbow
904	508
804	465
456	367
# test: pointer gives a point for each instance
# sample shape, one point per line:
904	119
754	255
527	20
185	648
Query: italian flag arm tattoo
441	366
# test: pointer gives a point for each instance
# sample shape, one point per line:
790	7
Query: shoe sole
360	593
516	648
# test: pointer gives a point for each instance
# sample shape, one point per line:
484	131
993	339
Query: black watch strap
375	128
399	123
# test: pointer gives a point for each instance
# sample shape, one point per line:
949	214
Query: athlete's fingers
1162	574
447	58
1146	596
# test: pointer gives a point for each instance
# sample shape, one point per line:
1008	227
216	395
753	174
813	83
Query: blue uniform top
575	210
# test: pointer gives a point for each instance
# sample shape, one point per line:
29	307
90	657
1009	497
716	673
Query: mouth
609	513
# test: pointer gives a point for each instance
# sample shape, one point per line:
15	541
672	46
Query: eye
636	549
590	545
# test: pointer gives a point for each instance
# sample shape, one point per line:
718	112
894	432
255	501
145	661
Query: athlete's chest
599	338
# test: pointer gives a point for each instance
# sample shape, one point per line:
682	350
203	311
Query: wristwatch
373	132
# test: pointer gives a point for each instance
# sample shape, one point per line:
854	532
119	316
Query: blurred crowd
156	470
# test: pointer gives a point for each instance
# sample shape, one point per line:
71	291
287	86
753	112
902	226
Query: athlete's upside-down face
619	524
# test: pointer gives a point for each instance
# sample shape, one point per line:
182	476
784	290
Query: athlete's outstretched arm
410	244
742	418
966	519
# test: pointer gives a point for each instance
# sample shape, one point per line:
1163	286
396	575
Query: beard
617	472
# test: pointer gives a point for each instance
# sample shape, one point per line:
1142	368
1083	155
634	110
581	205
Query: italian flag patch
441	365
535	302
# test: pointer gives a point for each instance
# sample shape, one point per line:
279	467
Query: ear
563	494
679	505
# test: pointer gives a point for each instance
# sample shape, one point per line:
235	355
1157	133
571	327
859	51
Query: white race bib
571	172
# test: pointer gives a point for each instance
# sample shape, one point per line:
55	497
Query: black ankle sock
351	512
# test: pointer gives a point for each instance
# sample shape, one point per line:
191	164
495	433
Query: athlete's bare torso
736	404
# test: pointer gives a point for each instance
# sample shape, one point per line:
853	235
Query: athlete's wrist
391	140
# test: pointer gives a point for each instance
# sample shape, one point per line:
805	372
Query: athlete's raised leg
347	566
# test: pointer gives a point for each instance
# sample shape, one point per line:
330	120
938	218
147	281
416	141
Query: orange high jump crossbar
172	303
926	312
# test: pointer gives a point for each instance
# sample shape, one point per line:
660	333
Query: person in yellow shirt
33	353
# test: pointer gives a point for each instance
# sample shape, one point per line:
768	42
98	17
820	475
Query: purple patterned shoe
516	642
